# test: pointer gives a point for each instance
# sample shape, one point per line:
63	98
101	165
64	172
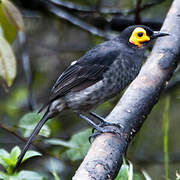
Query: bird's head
138	35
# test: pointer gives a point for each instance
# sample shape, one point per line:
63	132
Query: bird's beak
157	34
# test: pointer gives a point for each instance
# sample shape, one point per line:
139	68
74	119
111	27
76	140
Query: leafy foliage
177	176
22	175
10	20
9	31
60	142
8	161
82	145
13	15
7	62
77	146
147	177
28	122
56	177
126	173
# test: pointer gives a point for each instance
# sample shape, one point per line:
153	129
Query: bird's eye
140	34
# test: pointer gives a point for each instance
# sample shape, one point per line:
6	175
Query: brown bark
104	158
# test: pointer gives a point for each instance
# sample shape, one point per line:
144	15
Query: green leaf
60	143
4	155
7	62
13	14
147	177
137	177
9	161
3	175
30	154
56	177
28	122
3	163
22	175
80	140
177	176
29	175
9	31
15	152
5	160
126	173
123	173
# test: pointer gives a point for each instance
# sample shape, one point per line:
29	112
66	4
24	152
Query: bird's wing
85	72
77	77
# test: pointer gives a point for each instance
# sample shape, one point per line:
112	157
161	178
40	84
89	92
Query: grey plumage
121	72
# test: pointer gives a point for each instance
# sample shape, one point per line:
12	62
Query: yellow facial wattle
138	37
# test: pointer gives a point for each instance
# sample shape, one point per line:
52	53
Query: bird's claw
101	127
115	129
93	136
105	123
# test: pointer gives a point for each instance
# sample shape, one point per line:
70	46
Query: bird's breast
115	79
120	74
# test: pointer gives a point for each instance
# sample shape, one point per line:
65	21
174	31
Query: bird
100	74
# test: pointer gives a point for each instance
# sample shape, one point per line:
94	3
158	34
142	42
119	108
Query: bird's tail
36	130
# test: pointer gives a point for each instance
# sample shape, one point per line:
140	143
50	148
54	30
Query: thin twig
76	21
57	7
11	131
137	13
85	9
145	6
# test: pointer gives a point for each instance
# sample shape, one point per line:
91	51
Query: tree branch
137	14
83	16
76	21
86	9
104	158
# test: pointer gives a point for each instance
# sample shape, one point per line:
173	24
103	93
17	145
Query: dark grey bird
100	74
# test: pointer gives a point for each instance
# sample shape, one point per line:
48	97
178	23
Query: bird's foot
102	127
115	128
103	122
105	128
